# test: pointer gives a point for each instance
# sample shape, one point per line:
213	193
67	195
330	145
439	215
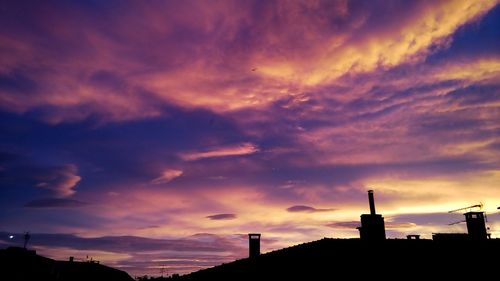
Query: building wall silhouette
476	226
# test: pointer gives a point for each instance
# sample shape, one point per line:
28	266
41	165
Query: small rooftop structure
476	226
253	245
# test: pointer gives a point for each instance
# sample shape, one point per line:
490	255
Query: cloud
167	176
60	180
136	254
223	151
344	224
55	203
306	209
281	102
222	217
126	244
341	38
355	224
399	225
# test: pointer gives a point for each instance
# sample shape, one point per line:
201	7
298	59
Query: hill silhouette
19	264
336	259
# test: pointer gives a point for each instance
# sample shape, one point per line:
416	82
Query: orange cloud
167	176
242	149
60	180
242	62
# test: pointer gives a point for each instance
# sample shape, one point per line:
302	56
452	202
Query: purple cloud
55	203
173	109
307	209
355	224
222	217
60	180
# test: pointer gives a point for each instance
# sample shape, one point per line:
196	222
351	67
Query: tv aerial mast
27	237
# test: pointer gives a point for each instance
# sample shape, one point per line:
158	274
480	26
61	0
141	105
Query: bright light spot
11	237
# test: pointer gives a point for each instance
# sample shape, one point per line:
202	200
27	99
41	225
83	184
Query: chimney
254	244
372	225
476	226
372	202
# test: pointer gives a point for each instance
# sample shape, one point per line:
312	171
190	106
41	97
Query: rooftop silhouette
372	256
355	258
20	264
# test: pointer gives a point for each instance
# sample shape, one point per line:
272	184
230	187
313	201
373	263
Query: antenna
469	208
163	270
27	237
457	222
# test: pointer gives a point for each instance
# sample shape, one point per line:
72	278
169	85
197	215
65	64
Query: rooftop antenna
163	270
27	237
457	222
468	208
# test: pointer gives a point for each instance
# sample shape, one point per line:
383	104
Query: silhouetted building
372	225
476	226
19	264
339	259
450	236
476	229
254	244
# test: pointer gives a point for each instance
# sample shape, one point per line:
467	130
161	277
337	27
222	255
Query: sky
150	134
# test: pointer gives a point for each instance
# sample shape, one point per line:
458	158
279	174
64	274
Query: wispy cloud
55	203
345	35
355	224
135	253
222	151
167	176
306	209
222	217
60	180
281	103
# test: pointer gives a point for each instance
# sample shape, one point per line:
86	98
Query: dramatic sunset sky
159	133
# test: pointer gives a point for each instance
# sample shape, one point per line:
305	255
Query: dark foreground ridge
20	264
391	259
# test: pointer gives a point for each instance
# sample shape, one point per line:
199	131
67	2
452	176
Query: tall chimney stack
372	225
372	202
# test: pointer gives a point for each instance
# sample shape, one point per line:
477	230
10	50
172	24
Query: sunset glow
159	133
